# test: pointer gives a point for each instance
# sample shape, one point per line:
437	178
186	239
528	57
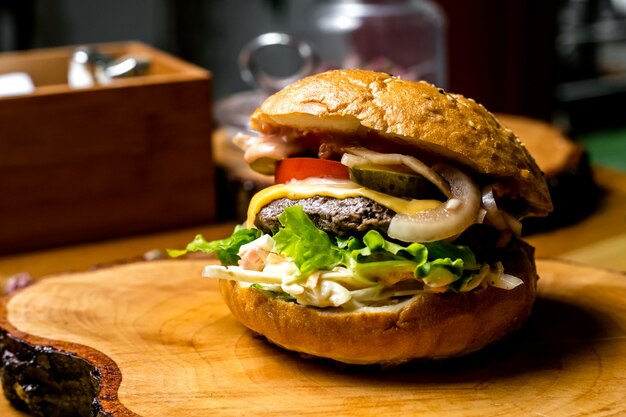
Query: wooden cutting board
154	339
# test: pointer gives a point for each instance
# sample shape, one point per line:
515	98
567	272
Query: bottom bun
426	326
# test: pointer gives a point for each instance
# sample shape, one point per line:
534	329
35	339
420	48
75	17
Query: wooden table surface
599	241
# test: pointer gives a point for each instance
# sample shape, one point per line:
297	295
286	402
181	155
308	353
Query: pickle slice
409	185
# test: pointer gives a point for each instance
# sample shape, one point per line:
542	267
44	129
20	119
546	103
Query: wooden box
79	165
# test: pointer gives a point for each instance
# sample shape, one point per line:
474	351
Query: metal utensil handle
254	75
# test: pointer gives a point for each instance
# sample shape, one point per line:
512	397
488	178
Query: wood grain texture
164	335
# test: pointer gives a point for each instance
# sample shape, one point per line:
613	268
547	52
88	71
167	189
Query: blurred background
556	60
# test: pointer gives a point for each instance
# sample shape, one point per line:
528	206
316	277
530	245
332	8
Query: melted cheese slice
339	190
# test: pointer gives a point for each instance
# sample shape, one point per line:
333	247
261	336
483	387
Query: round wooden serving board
154	339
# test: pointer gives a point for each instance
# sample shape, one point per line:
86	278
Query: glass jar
405	38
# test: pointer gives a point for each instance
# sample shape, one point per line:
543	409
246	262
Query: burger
392	232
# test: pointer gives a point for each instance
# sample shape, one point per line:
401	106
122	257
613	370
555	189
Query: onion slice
497	217
506	281
494	215
499	279
446	220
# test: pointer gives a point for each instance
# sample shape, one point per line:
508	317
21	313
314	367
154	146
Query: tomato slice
301	168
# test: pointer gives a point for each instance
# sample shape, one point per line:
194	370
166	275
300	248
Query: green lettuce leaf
440	272
310	248
225	249
376	242
374	248
386	268
435	263
443	250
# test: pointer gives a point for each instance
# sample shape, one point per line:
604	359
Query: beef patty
338	216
